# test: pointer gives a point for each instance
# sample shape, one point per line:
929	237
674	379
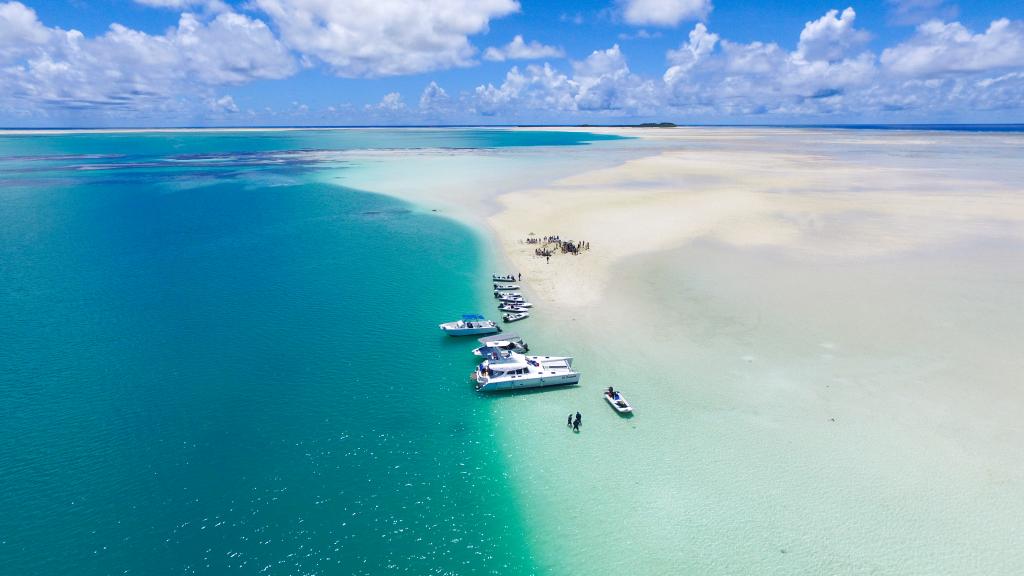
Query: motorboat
507	341
506	287
502	304
513	308
507	295
617	401
503	278
514	316
469	325
509	370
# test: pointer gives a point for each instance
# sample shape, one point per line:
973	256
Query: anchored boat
617	401
505	287
508	370
514	316
508	341
503	278
469	325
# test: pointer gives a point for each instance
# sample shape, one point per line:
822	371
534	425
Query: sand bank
818	331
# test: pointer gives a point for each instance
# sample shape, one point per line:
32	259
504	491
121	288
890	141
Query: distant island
644	125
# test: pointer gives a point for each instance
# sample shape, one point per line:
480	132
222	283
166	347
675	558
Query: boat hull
527	383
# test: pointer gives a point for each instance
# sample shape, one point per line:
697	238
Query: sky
119	63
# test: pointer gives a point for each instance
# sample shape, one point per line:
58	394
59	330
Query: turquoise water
211	363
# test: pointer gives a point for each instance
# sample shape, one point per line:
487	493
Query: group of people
575	424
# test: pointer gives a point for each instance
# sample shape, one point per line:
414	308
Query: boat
469	325
506	287
617	401
514	316
507	341
503	278
502	304
507	295
509	370
513	308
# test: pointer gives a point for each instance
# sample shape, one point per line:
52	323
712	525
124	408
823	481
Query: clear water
213	362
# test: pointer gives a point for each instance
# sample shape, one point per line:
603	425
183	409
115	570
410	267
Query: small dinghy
502	278
507	295
617	401
513	304
513	308
515	316
506	287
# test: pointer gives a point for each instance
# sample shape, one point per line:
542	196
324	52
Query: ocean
212	361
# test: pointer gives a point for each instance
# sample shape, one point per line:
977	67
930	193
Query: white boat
508	370
507	341
514	316
513	308
502	304
506	287
503	278
507	295
469	325
617	401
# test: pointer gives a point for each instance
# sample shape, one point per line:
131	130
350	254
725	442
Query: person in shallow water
576	426
579	418
569	421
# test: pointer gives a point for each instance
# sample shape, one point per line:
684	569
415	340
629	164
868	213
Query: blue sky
351	62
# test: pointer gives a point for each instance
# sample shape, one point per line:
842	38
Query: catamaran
469	325
508	370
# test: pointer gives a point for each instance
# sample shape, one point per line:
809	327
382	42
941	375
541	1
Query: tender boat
508	370
502	304
506	287
617	401
503	278
514	316
513	308
508	341
507	295
469	325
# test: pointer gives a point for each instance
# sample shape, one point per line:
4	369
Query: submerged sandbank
818	332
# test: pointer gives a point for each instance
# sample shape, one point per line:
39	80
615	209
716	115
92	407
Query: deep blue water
211	364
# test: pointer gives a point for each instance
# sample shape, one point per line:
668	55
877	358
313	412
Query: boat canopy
472	317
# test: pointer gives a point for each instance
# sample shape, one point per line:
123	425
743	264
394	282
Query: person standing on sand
549	259
520	276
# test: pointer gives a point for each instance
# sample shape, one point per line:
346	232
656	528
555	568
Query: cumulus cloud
434	98
370	38
224	104
518	49
831	37
390	102
600	83
129	69
938	48
663	12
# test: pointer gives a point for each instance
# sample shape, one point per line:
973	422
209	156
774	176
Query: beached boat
617	401
515	303
514	308
506	287
508	341
469	325
501	278
507	370
514	316
507	295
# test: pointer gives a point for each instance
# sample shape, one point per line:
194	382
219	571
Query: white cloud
128	69
601	83
831	38
518	49
369	38
700	45
434	98
390	102
663	12
224	104
938	48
